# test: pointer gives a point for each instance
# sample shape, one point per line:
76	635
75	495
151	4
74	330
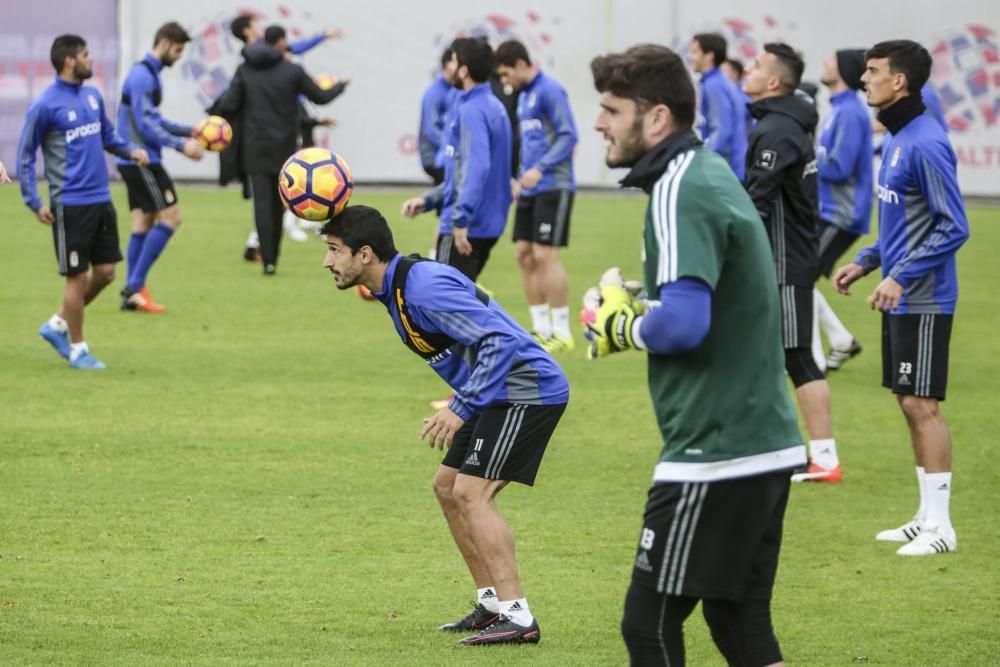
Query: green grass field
244	485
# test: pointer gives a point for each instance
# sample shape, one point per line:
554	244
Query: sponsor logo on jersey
71	115
887	195
530	125
83	131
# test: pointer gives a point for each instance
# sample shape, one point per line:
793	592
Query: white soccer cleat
905	533
930	541
292	229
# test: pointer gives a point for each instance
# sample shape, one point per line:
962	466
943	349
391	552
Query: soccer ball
315	184
214	133
326	81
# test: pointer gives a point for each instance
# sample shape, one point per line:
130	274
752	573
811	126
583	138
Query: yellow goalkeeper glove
612	327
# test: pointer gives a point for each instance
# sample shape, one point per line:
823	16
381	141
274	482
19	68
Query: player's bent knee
918	407
443	483
801	366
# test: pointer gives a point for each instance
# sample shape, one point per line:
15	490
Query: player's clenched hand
414	207
886	296
44	215
847	275
612	327
139	156
440	429
193	149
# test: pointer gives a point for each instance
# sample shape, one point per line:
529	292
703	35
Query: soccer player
733	69
509	396
781	181
434	106
844	164
544	192
713	520
722	108
69	123
922	224
152	196
265	91
476	192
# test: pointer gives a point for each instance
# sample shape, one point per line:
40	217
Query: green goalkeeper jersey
723	408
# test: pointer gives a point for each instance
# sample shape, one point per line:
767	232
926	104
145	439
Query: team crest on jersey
93	102
895	156
767	159
74	259
531	101
71	115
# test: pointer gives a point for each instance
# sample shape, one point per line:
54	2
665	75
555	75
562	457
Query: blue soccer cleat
86	361
58	340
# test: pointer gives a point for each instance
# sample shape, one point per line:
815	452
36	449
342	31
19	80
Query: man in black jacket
781	181
265	89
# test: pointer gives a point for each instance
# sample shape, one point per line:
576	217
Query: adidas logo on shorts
642	562
473	460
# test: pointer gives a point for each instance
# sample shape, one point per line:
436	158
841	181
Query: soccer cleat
292	229
557	343
930	541
58	340
905	533
505	631
541	339
140	301
86	361
270	269
815	473
479	618
251	254
441	403
837	358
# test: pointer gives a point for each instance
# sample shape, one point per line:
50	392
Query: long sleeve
566	134
940	189
434	198
772	155
35	126
314	93
473	166
869	258
837	164
301	46
230	103
148	121
681	321
718	127
113	142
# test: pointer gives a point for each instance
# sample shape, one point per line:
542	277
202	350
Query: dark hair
736	65
173	32
63	47
648	74
446	56
510	52
904	56
714	43
790	63
477	55
359	226
274	34
240	25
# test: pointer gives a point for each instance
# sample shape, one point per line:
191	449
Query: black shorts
472	264
505	442
716	540
85	235
915	354
833	243
544	218
149	188
796	316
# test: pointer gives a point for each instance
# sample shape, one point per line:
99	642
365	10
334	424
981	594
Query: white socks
488	598
937	493
824	453
838	335
76	349
58	323
517	611
541	321
560	322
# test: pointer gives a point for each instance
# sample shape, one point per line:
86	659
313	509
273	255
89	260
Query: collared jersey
548	134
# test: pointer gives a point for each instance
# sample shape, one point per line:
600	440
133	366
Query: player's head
733	69
707	50
448	65
473	59
777	71
514	65
646	95
244	28
357	241
71	58
276	36
895	69
168	44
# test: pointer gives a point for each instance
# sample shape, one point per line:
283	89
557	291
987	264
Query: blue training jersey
139	118
548	134
434	106
723	119
922	221
493	360
69	123
844	163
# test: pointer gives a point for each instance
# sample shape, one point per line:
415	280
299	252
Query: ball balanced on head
315	184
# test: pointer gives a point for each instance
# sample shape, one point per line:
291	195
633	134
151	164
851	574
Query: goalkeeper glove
612	327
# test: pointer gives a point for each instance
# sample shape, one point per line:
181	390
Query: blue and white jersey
933	103
548	134
438	99
844	163
493	359
922	221
69	123
139	118
723	119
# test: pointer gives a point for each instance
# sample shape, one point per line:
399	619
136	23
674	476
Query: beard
82	72
630	147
